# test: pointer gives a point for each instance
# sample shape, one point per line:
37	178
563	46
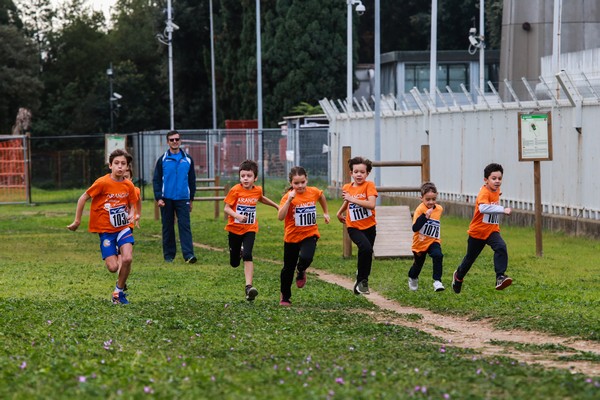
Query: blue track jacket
174	177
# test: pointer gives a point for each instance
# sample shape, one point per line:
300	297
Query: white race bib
493	219
305	216
248	211
358	212
431	229
118	216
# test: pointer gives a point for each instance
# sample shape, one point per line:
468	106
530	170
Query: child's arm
323	202
283	210
138	215
494	209
238	217
269	202
79	212
340	214
369	203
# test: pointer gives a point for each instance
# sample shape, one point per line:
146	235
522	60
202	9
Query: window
447	75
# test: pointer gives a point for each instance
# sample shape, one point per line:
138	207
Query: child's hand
73	227
292	194
507	210
428	212
341	218
241	218
327	219
346	196
137	221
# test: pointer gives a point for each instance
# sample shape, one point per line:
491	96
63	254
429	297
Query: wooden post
425	172
537	186
347	242
217	202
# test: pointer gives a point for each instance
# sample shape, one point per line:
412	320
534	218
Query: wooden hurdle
385	229
214	186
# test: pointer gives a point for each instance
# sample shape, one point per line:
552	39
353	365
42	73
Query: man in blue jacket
174	190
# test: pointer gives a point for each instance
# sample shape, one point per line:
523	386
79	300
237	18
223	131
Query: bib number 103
119	217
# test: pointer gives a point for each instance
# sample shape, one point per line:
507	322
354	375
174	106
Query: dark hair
249	165
118	153
295	171
428	187
493	167
171	133
360	160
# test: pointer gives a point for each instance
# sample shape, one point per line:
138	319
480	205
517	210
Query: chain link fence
62	167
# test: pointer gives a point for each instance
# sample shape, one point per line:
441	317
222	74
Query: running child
242	224
111	216
485	229
426	238
298	210
138	206
360	197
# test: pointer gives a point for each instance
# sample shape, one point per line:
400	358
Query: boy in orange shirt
242	225
426	238
112	214
360	197
298	210
485	229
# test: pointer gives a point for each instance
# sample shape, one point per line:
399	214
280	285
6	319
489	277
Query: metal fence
74	162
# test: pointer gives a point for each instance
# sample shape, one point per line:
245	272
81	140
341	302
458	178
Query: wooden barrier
424	164
214	186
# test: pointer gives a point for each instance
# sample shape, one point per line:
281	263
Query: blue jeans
474	248
181	209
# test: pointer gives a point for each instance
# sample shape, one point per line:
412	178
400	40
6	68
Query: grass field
188	332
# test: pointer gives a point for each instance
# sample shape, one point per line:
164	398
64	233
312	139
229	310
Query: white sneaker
438	286
413	284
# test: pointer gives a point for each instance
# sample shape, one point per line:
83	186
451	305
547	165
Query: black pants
296	255
435	252
474	248
235	245
365	240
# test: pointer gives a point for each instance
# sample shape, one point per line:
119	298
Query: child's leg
474	248
235	244
364	239
112	263
307	253
248	240
435	252
290	258
415	269
126	251
500	253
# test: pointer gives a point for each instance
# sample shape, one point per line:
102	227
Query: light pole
109	73
360	10
166	38
212	68
259	69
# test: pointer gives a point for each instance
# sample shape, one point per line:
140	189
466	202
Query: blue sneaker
119	298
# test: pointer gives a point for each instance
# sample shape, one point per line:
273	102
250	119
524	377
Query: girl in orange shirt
298	210
359	205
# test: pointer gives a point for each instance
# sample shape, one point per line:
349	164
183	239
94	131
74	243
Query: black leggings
296	255
235	245
365	240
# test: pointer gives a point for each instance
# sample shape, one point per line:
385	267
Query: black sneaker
456	283
191	260
251	293
361	287
503	281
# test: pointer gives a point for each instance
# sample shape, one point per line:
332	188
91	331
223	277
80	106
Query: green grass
189	333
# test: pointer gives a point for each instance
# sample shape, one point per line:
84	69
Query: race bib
118	216
357	212
248	211
493	219
305	216
431	229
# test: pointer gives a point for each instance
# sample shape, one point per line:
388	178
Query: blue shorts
111	242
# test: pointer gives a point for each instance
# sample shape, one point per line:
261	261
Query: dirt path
477	335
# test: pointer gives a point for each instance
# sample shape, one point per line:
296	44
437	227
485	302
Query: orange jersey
111	202
243	201
301	219
356	216
482	225
430	232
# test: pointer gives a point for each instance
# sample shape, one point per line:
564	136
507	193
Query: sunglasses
174	140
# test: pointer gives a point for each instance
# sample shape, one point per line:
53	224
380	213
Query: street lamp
360	10
113	99
166	38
